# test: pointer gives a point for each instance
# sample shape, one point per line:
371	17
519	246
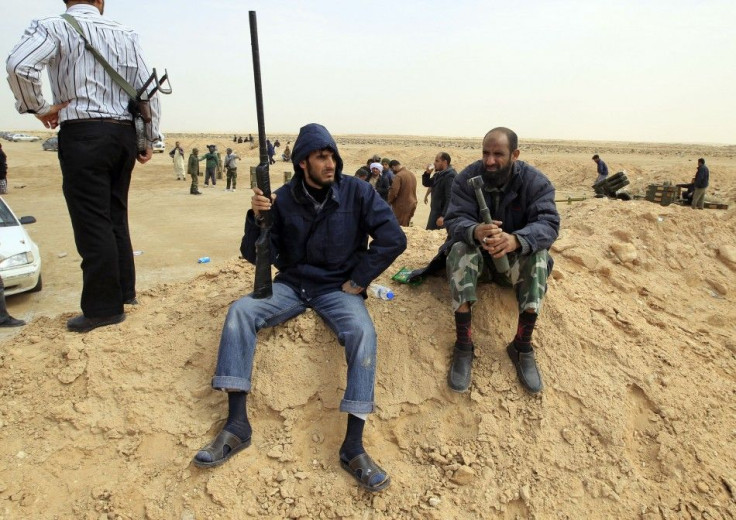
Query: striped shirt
74	73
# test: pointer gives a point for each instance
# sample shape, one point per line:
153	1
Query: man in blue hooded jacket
321	224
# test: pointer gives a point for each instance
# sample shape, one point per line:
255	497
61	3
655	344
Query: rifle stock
262	287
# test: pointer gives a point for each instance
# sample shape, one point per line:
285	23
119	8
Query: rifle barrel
263	152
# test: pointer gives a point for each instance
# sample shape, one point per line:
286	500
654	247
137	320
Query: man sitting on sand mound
321	223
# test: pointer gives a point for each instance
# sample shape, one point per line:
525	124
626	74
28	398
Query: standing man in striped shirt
97	142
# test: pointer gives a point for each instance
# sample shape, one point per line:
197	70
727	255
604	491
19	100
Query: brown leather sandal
364	469
216	449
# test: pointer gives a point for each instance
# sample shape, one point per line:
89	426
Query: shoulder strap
117	78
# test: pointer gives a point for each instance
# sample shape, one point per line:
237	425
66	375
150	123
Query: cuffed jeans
344	313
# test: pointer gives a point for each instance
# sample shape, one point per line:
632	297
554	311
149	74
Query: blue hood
314	137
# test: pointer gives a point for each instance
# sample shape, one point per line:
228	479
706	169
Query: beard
315	179
498	177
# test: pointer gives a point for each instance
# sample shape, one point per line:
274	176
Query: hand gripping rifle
501	264
262	286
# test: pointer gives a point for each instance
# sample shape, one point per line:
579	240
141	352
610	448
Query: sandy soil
635	343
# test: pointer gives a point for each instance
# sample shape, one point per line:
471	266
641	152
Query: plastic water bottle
203	260
380	291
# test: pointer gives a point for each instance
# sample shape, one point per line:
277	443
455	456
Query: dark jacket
317	252
441	184
383	184
702	176
527	208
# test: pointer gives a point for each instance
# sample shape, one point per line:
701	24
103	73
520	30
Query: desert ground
636	343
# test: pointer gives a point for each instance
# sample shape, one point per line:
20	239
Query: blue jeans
344	313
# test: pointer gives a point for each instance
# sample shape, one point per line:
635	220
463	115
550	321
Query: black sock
352	446
237	416
523	338
462	330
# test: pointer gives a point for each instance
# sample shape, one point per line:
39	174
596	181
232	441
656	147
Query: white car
158	146
20	259
24	137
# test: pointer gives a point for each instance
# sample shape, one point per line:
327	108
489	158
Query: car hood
13	240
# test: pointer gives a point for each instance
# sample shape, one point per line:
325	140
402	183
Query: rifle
501	264
262	287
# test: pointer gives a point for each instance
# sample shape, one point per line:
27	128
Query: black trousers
97	159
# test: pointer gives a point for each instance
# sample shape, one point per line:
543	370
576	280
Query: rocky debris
463	475
625	252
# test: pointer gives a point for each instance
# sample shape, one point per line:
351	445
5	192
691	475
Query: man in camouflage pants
526	224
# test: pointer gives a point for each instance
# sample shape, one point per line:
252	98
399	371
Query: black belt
124	122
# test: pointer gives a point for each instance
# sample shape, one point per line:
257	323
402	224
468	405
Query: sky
644	70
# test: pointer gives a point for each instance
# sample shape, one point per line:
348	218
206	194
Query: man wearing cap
322	222
210	166
231	165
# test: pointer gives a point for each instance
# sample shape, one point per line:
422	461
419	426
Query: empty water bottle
203	260
380	291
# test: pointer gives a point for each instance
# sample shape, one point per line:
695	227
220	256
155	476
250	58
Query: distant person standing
177	154
231	165
219	162
3	171
97	142
702	178
602	169
387	170
271	152
403	193
193	171
440	186
210	165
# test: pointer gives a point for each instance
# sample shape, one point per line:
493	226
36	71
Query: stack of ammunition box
663	194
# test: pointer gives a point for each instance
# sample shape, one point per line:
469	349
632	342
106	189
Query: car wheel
38	286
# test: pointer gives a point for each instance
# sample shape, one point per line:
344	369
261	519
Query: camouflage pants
466	266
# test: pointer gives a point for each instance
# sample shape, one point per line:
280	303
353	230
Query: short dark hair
394	163
445	157
595	157
701	161
510	135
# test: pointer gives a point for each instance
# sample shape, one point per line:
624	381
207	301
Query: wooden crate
661	194
714	205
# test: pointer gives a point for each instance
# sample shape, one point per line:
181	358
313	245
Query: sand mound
635	342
